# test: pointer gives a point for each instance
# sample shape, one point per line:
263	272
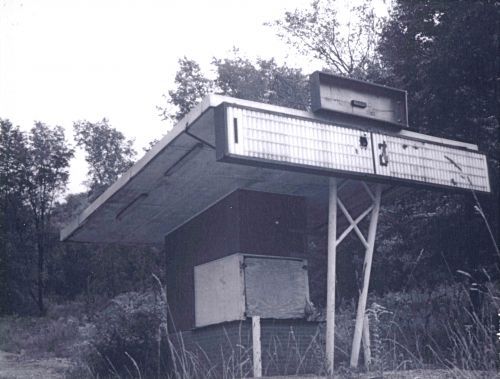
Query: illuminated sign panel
254	137
284	139
430	163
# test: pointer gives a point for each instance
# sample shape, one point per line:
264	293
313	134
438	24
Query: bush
437	327
125	342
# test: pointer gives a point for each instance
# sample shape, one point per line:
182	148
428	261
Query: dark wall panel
272	224
211	235
243	222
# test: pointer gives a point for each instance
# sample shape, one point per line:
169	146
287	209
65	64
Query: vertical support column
332	256
367	267
257	354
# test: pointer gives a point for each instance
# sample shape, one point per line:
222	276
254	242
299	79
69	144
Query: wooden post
367	267
330	299
257	355
366	343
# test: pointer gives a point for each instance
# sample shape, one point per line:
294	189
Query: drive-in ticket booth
230	188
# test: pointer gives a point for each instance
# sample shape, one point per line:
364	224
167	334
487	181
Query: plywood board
219	292
276	288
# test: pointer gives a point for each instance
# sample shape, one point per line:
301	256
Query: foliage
53	335
440	326
347	48
46	175
13	212
263	81
191	87
445	55
128	325
34	172
108	153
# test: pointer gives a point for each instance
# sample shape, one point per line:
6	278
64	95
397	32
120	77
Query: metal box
358	101
242	285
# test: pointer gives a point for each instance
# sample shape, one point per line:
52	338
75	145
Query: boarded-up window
275	288
240	286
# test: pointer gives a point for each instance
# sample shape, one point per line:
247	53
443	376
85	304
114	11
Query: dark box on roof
354	101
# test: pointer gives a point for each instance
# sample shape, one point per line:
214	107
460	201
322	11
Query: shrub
437	327
125	342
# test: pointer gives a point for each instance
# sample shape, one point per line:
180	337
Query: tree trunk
41	257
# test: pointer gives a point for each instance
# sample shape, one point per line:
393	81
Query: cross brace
333	241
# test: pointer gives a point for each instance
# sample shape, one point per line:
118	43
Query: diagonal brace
367	266
356	222
353	223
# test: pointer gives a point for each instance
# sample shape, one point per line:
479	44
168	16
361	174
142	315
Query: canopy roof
201	160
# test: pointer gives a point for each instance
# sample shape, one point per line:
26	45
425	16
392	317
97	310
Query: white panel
219	291
430	163
291	140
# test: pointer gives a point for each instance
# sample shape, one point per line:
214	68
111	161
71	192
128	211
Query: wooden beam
353	223
332	255
366	343
356	222
367	266
257	354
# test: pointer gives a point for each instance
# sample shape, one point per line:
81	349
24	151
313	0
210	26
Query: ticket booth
230	188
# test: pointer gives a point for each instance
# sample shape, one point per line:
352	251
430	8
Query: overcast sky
61	61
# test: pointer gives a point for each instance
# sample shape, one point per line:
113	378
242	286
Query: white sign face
302	142
288	140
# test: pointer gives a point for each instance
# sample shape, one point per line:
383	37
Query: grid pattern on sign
291	140
430	163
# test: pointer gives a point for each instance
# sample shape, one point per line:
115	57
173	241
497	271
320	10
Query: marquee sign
261	137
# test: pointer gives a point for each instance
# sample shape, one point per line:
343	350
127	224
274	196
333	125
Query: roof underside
180	177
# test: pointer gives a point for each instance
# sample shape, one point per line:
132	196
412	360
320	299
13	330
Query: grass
429	335
51	336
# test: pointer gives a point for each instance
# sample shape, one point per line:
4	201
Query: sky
68	60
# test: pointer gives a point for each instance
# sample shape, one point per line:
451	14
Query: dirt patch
16	366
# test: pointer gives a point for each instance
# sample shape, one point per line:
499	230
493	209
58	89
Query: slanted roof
182	175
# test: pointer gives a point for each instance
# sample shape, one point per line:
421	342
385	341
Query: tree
445	54
239	77
108	153
347	48
13	236
192	86
45	176
264	81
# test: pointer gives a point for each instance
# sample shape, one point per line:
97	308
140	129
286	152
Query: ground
17	366
48	347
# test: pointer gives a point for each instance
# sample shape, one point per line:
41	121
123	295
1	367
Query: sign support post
332	255
333	241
